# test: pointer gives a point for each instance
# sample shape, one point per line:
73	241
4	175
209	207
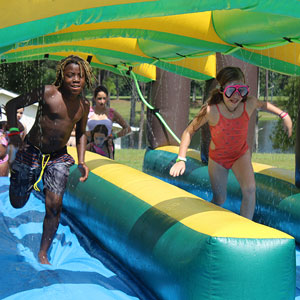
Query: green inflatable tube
178	245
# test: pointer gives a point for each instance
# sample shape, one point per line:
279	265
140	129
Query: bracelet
179	158
81	163
13	133
284	114
12	129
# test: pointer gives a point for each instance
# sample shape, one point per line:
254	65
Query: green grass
131	157
123	108
284	161
134	158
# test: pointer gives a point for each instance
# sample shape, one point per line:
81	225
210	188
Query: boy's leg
55	181
243	171
218	179
21	183
53	204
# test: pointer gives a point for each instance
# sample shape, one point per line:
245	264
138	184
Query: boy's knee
17	202
54	209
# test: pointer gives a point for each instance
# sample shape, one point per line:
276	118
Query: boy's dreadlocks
84	67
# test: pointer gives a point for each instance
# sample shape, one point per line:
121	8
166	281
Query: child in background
228	112
20	113
4	161
99	144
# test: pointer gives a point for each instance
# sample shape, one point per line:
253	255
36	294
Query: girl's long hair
224	76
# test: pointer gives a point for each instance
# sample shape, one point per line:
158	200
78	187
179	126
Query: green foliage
110	85
276	83
24	76
279	137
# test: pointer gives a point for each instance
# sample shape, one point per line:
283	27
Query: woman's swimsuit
91	123
230	139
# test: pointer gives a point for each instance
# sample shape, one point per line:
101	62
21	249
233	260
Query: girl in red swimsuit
227	112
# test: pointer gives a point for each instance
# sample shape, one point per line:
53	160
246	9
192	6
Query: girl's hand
177	169
288	125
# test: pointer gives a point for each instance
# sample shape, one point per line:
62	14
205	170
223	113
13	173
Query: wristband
13	129
283	114
179	158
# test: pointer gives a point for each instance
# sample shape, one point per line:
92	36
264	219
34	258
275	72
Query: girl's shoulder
212	114
212	110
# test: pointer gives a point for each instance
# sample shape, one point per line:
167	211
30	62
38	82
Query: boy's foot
43	259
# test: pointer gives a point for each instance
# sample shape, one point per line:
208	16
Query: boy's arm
81	142
14	104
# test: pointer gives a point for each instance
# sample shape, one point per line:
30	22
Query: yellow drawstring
42	171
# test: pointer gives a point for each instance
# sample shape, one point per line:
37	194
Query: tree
22	77
279	138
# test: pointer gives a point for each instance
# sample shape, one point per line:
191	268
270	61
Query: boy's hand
177	169
84	170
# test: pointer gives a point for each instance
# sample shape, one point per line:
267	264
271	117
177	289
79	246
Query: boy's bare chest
63	111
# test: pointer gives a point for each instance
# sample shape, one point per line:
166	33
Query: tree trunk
117	88
205	132
171	97
267	86
194	92
142	119
132	111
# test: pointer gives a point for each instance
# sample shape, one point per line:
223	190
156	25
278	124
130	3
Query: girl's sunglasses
243	90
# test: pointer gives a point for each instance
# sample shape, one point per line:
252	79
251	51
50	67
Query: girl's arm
179	167
287	121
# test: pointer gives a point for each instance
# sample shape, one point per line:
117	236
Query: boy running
43	154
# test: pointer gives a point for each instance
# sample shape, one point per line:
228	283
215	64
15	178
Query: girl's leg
218	180
243	171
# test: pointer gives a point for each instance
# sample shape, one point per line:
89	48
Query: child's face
99	139
20	113
101	99
73	80
234	100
